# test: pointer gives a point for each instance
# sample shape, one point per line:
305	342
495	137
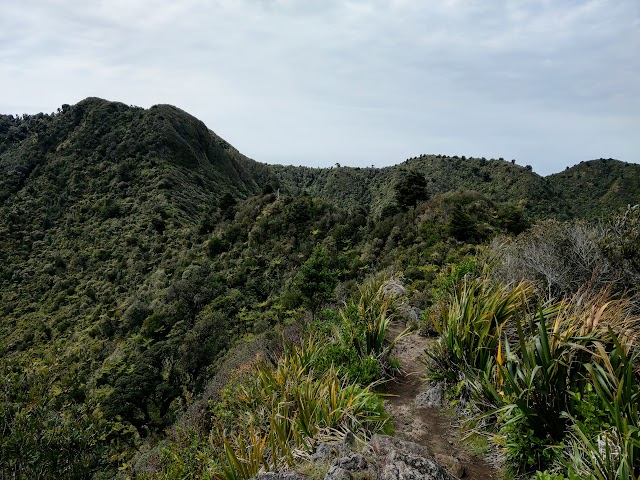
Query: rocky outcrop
350	467
383	458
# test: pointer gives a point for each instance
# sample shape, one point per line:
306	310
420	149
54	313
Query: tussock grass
371	313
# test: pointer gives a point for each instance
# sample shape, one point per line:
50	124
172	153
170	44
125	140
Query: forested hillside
144	258
594	188
372	188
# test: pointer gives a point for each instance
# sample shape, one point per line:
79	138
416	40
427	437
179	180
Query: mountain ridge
113	130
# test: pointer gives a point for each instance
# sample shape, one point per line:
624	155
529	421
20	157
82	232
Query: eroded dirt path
431	427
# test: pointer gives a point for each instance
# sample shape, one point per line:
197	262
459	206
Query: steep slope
100	184
598	187
101	209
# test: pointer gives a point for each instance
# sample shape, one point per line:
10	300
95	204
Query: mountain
139	249
102	176
597	187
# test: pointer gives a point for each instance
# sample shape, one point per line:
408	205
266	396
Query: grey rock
434	397
353	463
337	473
393	288
325	452
403	460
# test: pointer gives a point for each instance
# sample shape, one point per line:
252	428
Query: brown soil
432	427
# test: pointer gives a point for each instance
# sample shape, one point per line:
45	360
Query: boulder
434	397
337	473
324	452
398	459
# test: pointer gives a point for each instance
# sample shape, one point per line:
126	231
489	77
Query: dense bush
552	378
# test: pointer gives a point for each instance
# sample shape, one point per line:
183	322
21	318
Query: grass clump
357	337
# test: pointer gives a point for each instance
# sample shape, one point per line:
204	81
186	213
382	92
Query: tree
410	189
227	201
227	205
462	226
316	281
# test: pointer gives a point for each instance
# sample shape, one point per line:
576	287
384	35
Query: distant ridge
111	139
371	188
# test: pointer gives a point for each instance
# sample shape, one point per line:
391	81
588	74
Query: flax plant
470	327
615	452
528	370
372	312
293	408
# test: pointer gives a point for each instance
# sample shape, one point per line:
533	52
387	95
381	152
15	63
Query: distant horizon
360	83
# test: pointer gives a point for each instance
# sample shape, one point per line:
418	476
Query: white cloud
357	82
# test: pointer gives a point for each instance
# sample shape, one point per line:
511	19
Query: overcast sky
549	83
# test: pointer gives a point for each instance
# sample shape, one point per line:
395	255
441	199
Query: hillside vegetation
145	260
372	188
597	187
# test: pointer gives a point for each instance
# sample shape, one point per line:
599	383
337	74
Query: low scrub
276	409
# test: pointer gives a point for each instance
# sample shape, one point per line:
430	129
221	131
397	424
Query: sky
548	83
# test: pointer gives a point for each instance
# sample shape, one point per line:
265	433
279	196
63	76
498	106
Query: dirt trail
431	427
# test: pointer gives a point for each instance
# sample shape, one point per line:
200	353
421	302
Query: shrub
610	449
